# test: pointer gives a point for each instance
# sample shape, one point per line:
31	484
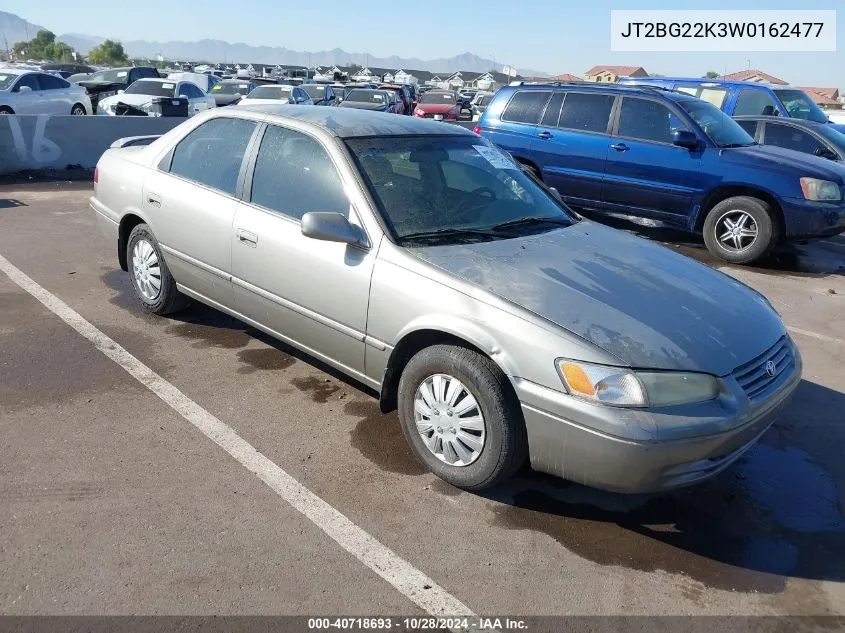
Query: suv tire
741	230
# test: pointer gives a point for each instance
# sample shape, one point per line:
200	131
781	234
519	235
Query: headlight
820	190
622	387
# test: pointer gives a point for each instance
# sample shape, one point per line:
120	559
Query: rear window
271	92
438	97
153	88
526	106
586	112
367	96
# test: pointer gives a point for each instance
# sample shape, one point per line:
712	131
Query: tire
6	110
504	445
167	299
753	215
78	110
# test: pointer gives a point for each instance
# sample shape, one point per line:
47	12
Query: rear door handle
245	237
620	147
153	200
545	135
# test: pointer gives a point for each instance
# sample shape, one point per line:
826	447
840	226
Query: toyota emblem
771	368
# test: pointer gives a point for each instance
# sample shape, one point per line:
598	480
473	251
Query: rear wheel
6	110
741	230
154	285
461	418
78	110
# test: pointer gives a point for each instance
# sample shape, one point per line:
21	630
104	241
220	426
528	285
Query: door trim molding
195	262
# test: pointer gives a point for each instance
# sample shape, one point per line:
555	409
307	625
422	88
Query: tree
109	53
44	46
711	74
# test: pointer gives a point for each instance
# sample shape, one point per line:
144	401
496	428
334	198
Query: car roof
597	87
703	80
351	123
16	71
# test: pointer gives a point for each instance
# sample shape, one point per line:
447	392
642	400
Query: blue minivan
666	158
743	98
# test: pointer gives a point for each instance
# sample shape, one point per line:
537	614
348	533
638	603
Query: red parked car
439	104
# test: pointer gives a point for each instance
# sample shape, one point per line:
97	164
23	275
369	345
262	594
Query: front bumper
805	219
652	450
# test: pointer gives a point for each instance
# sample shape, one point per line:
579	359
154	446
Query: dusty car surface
423	262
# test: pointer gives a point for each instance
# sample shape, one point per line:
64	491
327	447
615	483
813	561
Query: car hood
436	108
785	161
839	127
360	105
641	302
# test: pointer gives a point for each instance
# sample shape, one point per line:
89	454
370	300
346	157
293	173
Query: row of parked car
666	153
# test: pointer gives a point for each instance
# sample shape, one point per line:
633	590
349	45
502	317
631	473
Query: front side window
30	80
190	91
586	112
212	153
294	176
792	138
754	102
718	126
800	106
647	120
451	188
526	106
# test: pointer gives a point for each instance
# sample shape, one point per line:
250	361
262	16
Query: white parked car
274	94
141	94
205	81
31	92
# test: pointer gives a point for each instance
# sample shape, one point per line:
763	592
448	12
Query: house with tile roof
827	98
611	74
566	77
755	75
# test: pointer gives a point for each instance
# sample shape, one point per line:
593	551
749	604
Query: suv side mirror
685	138
824	152
330	226
556	194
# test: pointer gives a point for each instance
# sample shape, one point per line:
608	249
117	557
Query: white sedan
142	93
32	92
273	94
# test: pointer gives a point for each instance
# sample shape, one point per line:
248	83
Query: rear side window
586	112
552	113
212	154
791	138
754	102
51	82
526	106
647	120
294	175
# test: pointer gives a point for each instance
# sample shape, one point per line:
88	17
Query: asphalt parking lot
111	502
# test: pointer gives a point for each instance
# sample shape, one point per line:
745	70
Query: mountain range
15	29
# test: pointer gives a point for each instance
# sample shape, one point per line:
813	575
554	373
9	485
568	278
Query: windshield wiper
450	232
532	220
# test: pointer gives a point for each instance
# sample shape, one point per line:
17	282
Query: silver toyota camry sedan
420	260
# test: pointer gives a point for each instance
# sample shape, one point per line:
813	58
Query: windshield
271	92
718	126
153	88
438	97
7	80
230	89
485	100
109	76
426	184
367	96
315	91
800	106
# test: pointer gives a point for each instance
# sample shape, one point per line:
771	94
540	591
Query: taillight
477	129
96	175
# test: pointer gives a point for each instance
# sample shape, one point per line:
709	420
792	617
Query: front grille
754	376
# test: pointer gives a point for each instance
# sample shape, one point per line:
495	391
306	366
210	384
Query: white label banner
722	31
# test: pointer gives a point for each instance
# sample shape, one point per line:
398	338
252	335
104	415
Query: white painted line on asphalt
404	577
820	337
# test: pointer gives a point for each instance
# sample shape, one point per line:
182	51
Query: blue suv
667	158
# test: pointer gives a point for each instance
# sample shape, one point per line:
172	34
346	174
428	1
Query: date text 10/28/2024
417	624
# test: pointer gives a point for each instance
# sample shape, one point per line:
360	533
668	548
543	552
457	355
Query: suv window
294	175
586	112
145	72
647	120
190	91
716	96
754	102
212	153
526	106
791	138
552	113
749	126
30	80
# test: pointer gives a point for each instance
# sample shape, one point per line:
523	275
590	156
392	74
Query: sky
554	36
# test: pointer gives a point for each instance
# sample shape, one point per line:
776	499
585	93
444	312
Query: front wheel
740	230
461	418
154	285
78	110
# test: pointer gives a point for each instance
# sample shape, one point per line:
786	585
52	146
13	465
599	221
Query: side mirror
24	89
824	152
556	194
685	138
332	227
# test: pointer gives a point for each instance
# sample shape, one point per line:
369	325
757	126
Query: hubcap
449	420
736	230
146	270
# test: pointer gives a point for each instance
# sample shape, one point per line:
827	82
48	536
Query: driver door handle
245	237
545	135
620	147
